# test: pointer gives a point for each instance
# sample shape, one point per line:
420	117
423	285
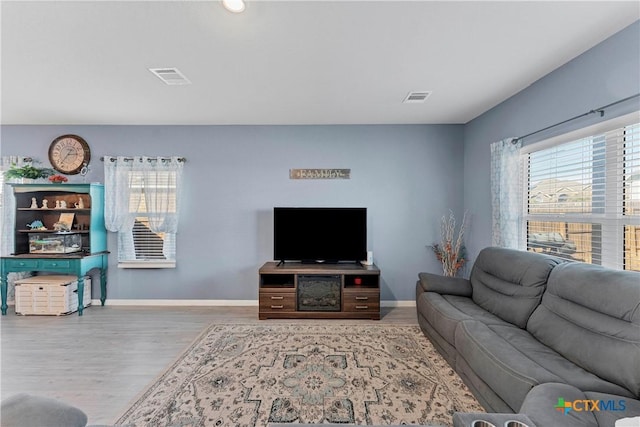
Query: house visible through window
583	198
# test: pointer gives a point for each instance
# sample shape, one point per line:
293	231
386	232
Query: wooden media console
323	291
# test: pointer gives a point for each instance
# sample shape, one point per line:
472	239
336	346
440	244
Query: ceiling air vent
171	76
416	97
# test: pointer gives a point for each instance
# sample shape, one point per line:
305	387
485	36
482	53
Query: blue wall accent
407	176
604	74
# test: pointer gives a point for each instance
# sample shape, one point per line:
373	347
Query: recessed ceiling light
416	97
235	6
171	76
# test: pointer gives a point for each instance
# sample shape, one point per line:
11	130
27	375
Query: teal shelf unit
88	222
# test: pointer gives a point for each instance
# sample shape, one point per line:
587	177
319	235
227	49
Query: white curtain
506	194
119	213
142	186
162	180
7	210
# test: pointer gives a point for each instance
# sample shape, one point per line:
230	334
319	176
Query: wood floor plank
101	361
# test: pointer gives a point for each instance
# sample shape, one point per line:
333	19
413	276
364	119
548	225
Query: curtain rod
180	159
599	110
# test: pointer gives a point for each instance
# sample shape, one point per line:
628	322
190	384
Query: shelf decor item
70	154
58	179
451	251
15	173
36	225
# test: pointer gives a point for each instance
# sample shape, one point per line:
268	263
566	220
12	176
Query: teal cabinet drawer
55	264
22	263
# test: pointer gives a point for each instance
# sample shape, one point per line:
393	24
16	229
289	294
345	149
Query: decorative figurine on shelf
80	204
34	203
61	226
57	204
63	204
37	225
45	204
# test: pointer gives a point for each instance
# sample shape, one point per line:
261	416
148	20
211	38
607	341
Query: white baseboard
213	302
407	303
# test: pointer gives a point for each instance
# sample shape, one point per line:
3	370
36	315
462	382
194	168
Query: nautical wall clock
69	154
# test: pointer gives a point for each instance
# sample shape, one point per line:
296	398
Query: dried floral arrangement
451	251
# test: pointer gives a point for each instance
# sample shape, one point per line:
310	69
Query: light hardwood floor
101	361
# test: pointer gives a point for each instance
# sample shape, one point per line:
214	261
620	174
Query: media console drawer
277	301
366	300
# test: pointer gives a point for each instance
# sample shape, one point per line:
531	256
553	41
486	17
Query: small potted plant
26	173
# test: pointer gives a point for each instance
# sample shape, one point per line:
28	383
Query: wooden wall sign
319	173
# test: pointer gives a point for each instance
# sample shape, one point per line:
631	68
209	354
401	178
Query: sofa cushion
440	314
510	283
512	361
555	362
509	372
591	316
444	312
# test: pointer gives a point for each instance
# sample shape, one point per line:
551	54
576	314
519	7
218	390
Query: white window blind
147	244
145	247
583	198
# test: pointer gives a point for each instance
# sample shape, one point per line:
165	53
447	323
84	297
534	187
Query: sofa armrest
445	285
28	410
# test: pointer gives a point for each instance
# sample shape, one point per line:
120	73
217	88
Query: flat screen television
319	234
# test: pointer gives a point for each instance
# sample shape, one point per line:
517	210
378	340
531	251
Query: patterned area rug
251	375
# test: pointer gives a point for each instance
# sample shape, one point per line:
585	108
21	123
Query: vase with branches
451	251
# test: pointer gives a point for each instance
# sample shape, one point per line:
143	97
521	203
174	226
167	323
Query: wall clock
69	154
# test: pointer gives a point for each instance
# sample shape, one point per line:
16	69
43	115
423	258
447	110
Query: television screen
319	234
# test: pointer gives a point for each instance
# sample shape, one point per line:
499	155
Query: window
152	199
583	196
141	205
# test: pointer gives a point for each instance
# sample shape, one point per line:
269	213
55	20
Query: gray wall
605	74
407	176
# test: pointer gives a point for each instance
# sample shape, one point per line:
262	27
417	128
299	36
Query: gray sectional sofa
527	329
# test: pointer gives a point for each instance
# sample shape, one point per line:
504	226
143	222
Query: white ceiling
285	62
